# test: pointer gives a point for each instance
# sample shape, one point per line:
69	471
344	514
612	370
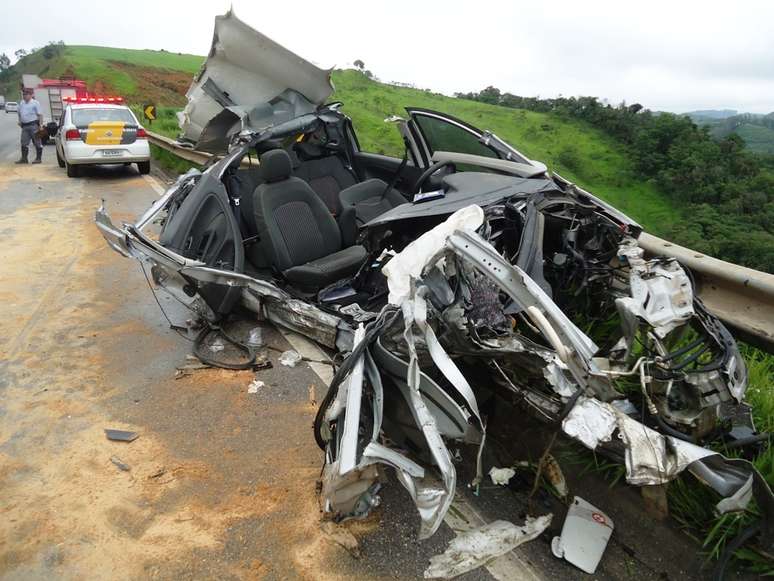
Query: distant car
11	107
97	133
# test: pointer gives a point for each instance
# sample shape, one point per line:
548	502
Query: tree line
725	192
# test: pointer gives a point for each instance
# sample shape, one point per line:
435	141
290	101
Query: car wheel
73	171
59	159
144	167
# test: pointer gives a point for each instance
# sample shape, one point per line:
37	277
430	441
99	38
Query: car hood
248	82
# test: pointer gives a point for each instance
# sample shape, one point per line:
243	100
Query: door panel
204	228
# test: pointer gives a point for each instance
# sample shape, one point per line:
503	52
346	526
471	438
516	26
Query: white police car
97	131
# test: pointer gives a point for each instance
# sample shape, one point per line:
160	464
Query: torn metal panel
308	320
351	410
248	80
661	291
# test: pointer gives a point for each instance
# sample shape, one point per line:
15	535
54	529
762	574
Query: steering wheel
427	173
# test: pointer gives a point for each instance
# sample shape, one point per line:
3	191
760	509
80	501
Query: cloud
667	55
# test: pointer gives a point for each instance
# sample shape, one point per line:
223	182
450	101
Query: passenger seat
300	236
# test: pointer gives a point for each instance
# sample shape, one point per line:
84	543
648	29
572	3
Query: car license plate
111	152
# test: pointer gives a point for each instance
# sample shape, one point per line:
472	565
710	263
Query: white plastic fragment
216	346
411	260
585	534
476	547
501	476
290	358
255	385
255	337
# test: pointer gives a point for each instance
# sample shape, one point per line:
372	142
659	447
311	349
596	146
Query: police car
97	131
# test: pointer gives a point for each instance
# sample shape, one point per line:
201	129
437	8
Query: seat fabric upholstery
327	176
328	269
370	200
302	239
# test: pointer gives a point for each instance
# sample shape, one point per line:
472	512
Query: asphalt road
221	483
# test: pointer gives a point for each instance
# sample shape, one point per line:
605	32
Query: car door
433	131
204	228
372	164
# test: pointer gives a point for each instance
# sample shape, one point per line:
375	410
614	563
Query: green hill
137	75
574	149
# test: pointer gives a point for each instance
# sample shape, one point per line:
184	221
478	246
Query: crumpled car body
499	283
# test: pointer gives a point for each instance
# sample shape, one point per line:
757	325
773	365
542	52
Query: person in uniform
30	121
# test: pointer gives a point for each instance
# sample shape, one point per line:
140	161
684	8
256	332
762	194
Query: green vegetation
572	148
725	192
137	75
757	131
692	504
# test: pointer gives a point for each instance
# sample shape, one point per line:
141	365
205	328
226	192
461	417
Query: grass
95	65
575	150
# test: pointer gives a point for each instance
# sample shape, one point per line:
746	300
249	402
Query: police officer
30	121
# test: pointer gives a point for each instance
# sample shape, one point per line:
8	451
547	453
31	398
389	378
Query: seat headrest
275	165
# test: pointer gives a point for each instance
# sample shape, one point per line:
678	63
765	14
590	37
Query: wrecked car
463	273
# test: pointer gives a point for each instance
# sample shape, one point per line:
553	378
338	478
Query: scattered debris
217	346
255	385
255	338
121	435
555	476
120	464
501	476
290	358
477	547
585	534
158	473
341	536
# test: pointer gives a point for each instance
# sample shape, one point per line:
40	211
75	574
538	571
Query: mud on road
221	483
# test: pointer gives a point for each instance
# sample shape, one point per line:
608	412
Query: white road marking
155	184
462	516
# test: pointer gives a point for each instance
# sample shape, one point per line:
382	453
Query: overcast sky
676	56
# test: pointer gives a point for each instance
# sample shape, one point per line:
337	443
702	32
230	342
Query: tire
59	159
73	171
144	167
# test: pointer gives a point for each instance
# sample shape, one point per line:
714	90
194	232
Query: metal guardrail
172	146
197	157
741	297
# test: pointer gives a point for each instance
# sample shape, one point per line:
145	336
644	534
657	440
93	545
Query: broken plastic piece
121	435
476	547
554	475
217	346
119	464
255	385
585	534
255	338
501	476
290	358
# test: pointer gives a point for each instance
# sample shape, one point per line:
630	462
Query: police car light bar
94	99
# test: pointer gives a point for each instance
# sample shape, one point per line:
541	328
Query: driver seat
301	237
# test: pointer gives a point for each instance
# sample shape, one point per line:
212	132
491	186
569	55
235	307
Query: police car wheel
144	167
